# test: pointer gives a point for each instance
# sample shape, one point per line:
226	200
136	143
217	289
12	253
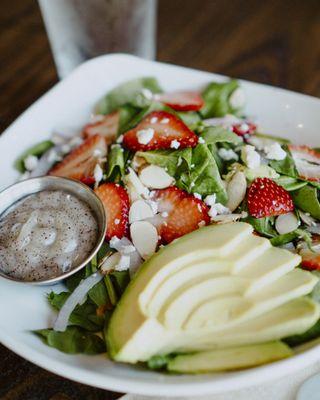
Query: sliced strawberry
311	258
159	130
106	126
181	213
245	128
266	198
116	204
307	162
181	101
80	163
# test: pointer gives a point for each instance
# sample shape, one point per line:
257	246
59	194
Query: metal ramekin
24	188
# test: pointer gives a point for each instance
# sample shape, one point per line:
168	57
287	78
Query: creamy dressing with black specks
46	234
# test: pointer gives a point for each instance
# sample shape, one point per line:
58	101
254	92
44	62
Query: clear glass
82	29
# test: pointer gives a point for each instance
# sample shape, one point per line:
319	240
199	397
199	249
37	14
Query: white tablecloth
279	389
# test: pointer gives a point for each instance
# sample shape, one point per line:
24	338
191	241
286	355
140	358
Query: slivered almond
155	177
144	237
139	211
286	223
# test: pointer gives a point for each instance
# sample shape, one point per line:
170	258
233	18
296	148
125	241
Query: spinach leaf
263	225
99	295
120	281
127	113
191	118
160	361
285	166
306	198
216	98
73	340
285	238
83	315
168	159
110	290
128	93
310	334
115	163
289	183
36	150
217	134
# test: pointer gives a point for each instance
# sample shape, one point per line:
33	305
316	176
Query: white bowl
69	104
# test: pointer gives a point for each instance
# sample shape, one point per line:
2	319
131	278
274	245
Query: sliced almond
144	237
110	263
236	190
155	177
286	223
225	218
139	211
138	163
135	185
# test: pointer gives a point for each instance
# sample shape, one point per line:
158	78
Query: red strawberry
80	163
106	126
181	213
166	131
266	198
245	128
116	204
181	101
307	162
311	259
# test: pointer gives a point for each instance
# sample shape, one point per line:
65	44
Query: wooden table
275	42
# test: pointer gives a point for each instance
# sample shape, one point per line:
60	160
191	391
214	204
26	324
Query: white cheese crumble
201	224
57	139
97	174
250	157
128	249
145	135
237	98
218	209
197	196
120	139
124	263
227	154
30	162
210	199
53	156
174	144
153	205
147	93
164	214
275	152
65	148
117	221
153	120
201	140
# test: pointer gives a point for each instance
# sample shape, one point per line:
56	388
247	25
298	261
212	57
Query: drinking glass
82	29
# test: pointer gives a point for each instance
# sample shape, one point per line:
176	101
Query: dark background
275	42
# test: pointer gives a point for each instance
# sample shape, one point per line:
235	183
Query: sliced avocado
213	288
229	359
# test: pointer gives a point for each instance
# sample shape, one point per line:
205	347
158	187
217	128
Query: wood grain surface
275	42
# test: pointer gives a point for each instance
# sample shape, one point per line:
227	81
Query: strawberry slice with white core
181	101
307	162
265	198
180	212
159	130
81	162
115	200
311	257
104	125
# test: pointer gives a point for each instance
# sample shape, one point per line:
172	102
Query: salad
168	166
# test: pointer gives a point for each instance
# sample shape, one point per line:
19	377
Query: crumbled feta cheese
237	98
192	184
65	148
115	146
124	263
57	139
114	241
97	174
197	196
128	249
97	153
145	135
164	121
201	140
120	139
153	205
201	224
218	209
164	214
117	221
192	166
179	161
227	154
53	156
210	199
147	93
75	141
250	157
30	162
275	152
174	144
153	120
